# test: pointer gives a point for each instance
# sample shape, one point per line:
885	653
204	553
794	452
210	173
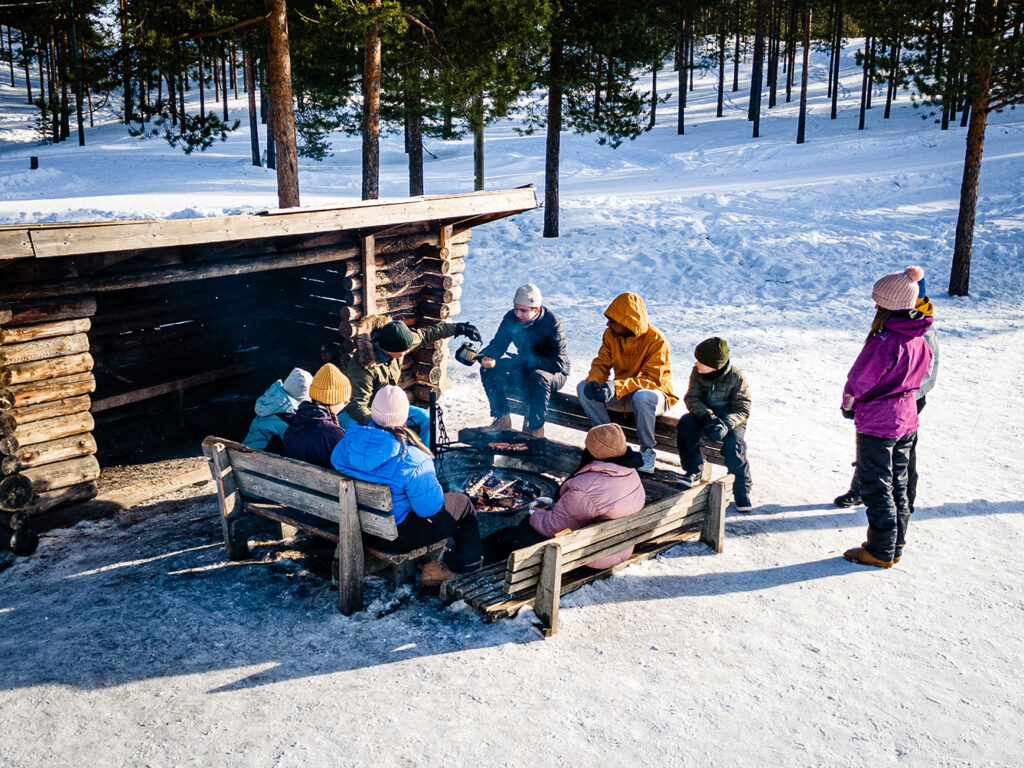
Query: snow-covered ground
133	641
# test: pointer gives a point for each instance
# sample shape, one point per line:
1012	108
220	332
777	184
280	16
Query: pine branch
221	31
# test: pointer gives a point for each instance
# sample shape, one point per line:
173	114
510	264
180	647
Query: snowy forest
442	69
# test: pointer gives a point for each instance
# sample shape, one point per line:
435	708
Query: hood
629	310
365	354
909	326
607	468
275	400
367	448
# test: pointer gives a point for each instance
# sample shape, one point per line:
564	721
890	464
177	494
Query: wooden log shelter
100	316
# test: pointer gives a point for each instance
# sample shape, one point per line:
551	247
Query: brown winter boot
894	560
500	424
538	432
433	574
862	556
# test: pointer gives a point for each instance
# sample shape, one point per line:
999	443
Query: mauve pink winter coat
599	491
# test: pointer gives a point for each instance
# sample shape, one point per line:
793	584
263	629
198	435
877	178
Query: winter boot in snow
433	574
538	432
743	503
899	553
862	556
649	457
848	499
500	424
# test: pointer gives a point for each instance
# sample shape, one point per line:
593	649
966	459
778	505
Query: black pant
882	471
455	521
511	375
734	453
500	544
911	468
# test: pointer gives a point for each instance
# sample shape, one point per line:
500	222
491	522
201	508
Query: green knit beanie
713	352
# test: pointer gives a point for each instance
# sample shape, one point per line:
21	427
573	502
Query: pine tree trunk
890	92
756	84
126	67
224	81
736	55
250	90
281	92
832	49
981	79
371	109
802	124
553	138
654	85
201	78
864	83
478	144
681	78
721	64
414	136
28	80
871	72
839	52
773	55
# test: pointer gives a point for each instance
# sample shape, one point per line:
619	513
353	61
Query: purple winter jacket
882	384
312	434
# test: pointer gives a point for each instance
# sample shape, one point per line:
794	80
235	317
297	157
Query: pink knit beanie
898	290
390	407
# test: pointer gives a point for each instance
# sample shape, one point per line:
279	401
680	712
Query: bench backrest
306	487
686	509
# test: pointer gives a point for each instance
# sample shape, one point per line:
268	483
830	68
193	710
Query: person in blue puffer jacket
281	399
387	451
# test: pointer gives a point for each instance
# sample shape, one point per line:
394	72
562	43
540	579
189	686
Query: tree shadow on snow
153	595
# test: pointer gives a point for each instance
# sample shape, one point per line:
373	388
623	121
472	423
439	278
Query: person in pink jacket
604	487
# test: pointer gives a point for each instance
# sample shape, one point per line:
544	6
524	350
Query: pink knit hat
390	407
898	290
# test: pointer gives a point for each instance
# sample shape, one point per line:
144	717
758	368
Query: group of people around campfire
362	424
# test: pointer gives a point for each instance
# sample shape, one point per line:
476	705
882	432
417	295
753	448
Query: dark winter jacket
370	369
883	382
724	394
312	434
375	455
541	344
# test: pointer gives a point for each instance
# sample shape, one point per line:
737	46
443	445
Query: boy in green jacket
718	401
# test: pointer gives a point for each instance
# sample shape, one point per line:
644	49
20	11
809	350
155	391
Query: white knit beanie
898	290
527	296
390	407
297	384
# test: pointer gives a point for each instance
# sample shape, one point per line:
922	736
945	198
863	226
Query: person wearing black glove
377	362
718	401
539	368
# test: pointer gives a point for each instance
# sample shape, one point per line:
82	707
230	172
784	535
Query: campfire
497	490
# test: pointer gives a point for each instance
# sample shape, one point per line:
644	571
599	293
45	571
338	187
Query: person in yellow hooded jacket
630	373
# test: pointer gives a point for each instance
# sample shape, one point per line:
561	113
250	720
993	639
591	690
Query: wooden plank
21	334
105	237
47	429
61	474
49	452
232	506
46	390
549	589
349	551
11	418
294	517
46	369
368	495
15	244
42	311
713	531
31	351
52	500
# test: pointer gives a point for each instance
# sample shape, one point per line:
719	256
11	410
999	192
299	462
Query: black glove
716	430
590	390
468	330
847	413
604	393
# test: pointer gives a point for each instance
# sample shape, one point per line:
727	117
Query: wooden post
369	276
713	531
281	92
350	551
232	507
549	589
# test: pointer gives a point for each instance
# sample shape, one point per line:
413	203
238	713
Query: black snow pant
455	521
734	453
500	544
510	375
911	468
882	471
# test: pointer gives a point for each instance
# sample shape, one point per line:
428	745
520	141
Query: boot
538	432
433	574
500	424
862	556
899	553
848	499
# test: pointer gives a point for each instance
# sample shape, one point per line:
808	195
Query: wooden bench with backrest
539	575
566	411
259	492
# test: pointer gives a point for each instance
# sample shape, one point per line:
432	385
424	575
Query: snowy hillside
134	642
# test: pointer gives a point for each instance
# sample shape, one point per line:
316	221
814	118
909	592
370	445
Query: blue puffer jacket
372	454
267	422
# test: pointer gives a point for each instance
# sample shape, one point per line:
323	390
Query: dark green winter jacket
725	395
369	371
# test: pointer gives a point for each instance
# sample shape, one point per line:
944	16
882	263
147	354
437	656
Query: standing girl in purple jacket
880	398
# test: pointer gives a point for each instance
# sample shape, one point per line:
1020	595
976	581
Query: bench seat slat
291	516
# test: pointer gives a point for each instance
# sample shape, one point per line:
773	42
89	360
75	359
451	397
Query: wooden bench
566	411
260	492
540	574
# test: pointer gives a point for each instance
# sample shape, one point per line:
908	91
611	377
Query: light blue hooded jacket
267	424
372	454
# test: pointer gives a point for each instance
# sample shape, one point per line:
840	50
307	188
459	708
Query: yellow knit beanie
330	386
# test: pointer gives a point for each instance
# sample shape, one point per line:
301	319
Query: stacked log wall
46	379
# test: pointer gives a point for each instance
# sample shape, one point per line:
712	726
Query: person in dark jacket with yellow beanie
313	429
718	401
